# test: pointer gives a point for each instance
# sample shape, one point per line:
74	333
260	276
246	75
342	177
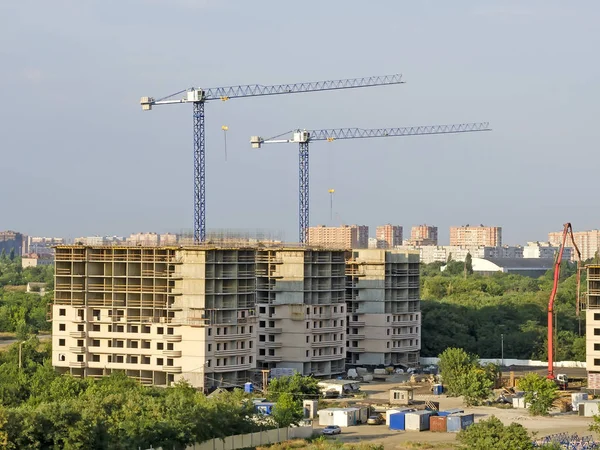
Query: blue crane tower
198	97
304	137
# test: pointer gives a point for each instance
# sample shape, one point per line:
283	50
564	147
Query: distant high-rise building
481	236
588	242
11	241
345	236
389	235
423	235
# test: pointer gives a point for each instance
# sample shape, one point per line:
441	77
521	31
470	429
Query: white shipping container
590	407
417	420
519	402
577	398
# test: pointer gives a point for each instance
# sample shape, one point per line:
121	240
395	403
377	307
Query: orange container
437	423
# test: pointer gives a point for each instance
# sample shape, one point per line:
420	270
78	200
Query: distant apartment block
144	239
11	241
421	235
442	253
159	314
545	250
301	310
587	241
343	237
481	236
383	305
41	245
167	239
99	240
389	235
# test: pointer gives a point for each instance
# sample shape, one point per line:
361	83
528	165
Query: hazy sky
79	157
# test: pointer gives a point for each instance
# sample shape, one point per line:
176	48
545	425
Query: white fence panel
515	362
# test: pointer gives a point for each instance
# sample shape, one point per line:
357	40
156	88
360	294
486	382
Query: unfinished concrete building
592	327
383	305
301	309
157	313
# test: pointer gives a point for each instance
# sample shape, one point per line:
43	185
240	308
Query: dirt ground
542	426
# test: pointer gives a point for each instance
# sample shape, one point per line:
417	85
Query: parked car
375	419
332	429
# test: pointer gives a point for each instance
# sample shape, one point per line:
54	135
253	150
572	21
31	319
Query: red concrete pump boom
567	231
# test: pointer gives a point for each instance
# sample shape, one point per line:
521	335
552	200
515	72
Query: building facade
159	314
301	310
592	327
481	236
588	242
389	235
421	235
343	237
383	306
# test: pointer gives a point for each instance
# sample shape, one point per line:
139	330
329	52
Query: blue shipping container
438	389
397	421
457	422
451	411
249	388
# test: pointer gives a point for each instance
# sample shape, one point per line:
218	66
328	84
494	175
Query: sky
80	158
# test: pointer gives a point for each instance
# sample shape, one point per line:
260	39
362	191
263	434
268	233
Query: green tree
475	385
454	364
492	434
299	386
287	411
468	265
540	393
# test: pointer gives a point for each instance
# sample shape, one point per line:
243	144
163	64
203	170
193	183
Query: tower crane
199	96
304	137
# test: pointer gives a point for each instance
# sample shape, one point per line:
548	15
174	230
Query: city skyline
550	236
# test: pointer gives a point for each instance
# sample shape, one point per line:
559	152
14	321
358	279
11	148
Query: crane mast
199	96
304	137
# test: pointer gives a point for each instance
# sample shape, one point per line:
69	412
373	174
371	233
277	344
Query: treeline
472	312
20	312
12	274
41	409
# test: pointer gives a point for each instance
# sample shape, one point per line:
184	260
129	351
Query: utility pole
502	341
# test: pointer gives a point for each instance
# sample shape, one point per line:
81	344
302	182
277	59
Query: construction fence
250	440
514	362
